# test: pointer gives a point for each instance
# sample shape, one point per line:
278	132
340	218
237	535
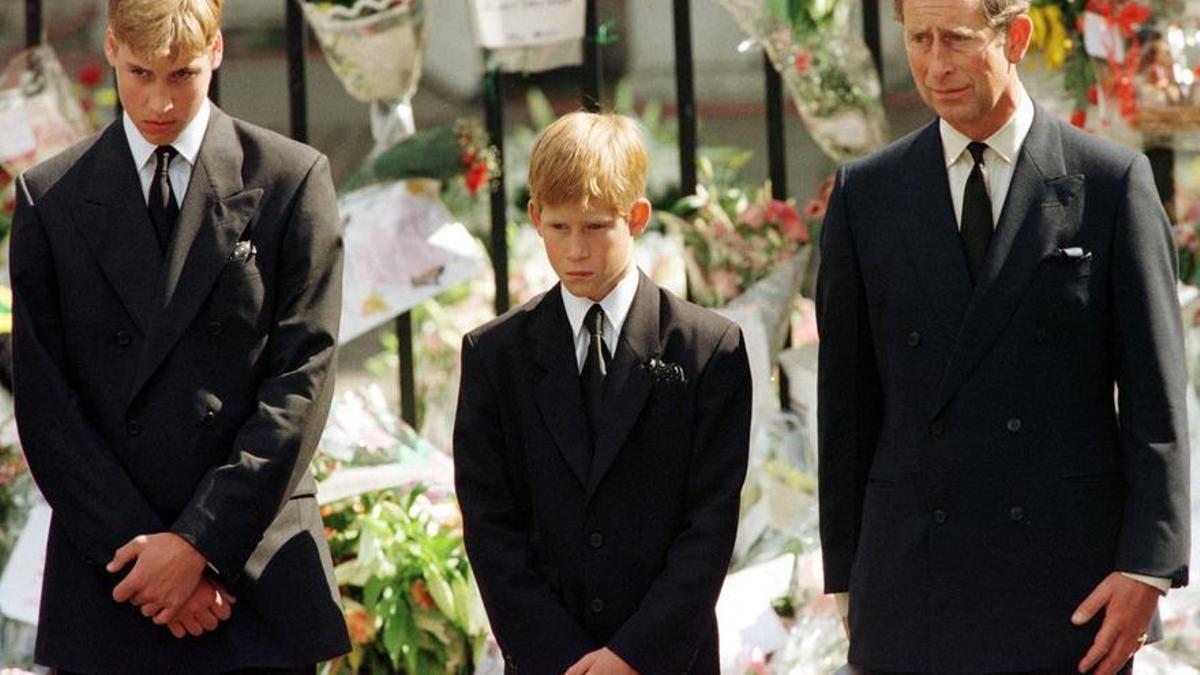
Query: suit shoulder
41	178
506	328
1093	156
701	325
277	154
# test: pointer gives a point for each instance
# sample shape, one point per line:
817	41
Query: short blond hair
588	159
165	28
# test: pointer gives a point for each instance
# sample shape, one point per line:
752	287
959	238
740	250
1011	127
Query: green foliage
411	601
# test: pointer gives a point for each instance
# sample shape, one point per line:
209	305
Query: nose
577	248
940	64
160	99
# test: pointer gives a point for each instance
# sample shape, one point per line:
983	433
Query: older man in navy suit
986	282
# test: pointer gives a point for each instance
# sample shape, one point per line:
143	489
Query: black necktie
595	367
977	223
164	210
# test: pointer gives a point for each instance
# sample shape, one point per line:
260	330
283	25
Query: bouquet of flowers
735	236
375	47
827	67
395	534
441	153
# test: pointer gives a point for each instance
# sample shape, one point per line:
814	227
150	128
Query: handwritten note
527	23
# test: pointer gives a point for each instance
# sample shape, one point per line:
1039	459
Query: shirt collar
1007	140
615	305
187	144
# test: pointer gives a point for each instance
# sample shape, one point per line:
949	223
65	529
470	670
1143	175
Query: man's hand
209	605
1128	605
601	662
166	572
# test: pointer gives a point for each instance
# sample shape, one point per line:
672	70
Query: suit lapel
1041	202
213	216
930	232
557	393
115	223
628	384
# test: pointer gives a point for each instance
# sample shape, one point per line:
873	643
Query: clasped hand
167	584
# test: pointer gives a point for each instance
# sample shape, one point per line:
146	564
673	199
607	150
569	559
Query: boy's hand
209	605
603	661
166	571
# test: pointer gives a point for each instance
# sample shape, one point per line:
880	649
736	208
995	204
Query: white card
1101	39
526	23
18	138
21	583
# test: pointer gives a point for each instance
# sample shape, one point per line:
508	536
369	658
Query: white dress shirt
999	160
187	144
615	305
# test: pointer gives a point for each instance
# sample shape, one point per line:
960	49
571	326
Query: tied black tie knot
977	225
164	209
976	149
595	368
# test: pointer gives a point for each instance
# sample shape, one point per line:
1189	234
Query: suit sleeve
849	393
235	502
534	629
676	612
1151	383
81	477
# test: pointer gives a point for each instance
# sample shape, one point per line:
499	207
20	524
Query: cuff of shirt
1160	584
843	604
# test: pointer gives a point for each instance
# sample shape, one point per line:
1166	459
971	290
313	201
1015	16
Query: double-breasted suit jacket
182	392
626	546
979	476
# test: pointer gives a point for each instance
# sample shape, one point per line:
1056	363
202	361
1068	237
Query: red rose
1093	95
90	76
1079	118
476	177
420	595
802	61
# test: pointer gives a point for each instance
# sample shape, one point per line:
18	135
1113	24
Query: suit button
939	516
596	540
597	605
123	338
215	328
937	429
1041	336
914	339
1013	425
210	415
1016	514
133	428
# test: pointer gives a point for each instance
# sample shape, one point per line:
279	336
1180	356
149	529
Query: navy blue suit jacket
977	477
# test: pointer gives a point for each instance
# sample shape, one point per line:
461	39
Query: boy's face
160	95
589	250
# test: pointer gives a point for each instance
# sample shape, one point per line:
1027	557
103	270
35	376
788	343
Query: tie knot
595	320
976	149
164	154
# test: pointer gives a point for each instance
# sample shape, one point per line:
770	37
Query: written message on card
525	23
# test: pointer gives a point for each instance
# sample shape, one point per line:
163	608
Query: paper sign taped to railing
527	23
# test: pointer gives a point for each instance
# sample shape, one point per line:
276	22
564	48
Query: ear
535	216
218	50
110	47
1019	35
639	216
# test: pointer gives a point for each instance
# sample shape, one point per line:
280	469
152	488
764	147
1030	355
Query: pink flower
814	209
724	283
789	221
1183	235
752	217
802	61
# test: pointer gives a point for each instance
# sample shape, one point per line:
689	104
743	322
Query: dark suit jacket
184	393
626	547
977	478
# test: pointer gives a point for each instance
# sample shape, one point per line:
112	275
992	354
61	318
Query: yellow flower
1050	35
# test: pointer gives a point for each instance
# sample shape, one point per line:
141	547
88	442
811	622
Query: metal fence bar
685	96
296	71
33	23
592	76
493	104
873	35
777	171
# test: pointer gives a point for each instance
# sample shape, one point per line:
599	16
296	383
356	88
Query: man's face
964	69
160	95
588	249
